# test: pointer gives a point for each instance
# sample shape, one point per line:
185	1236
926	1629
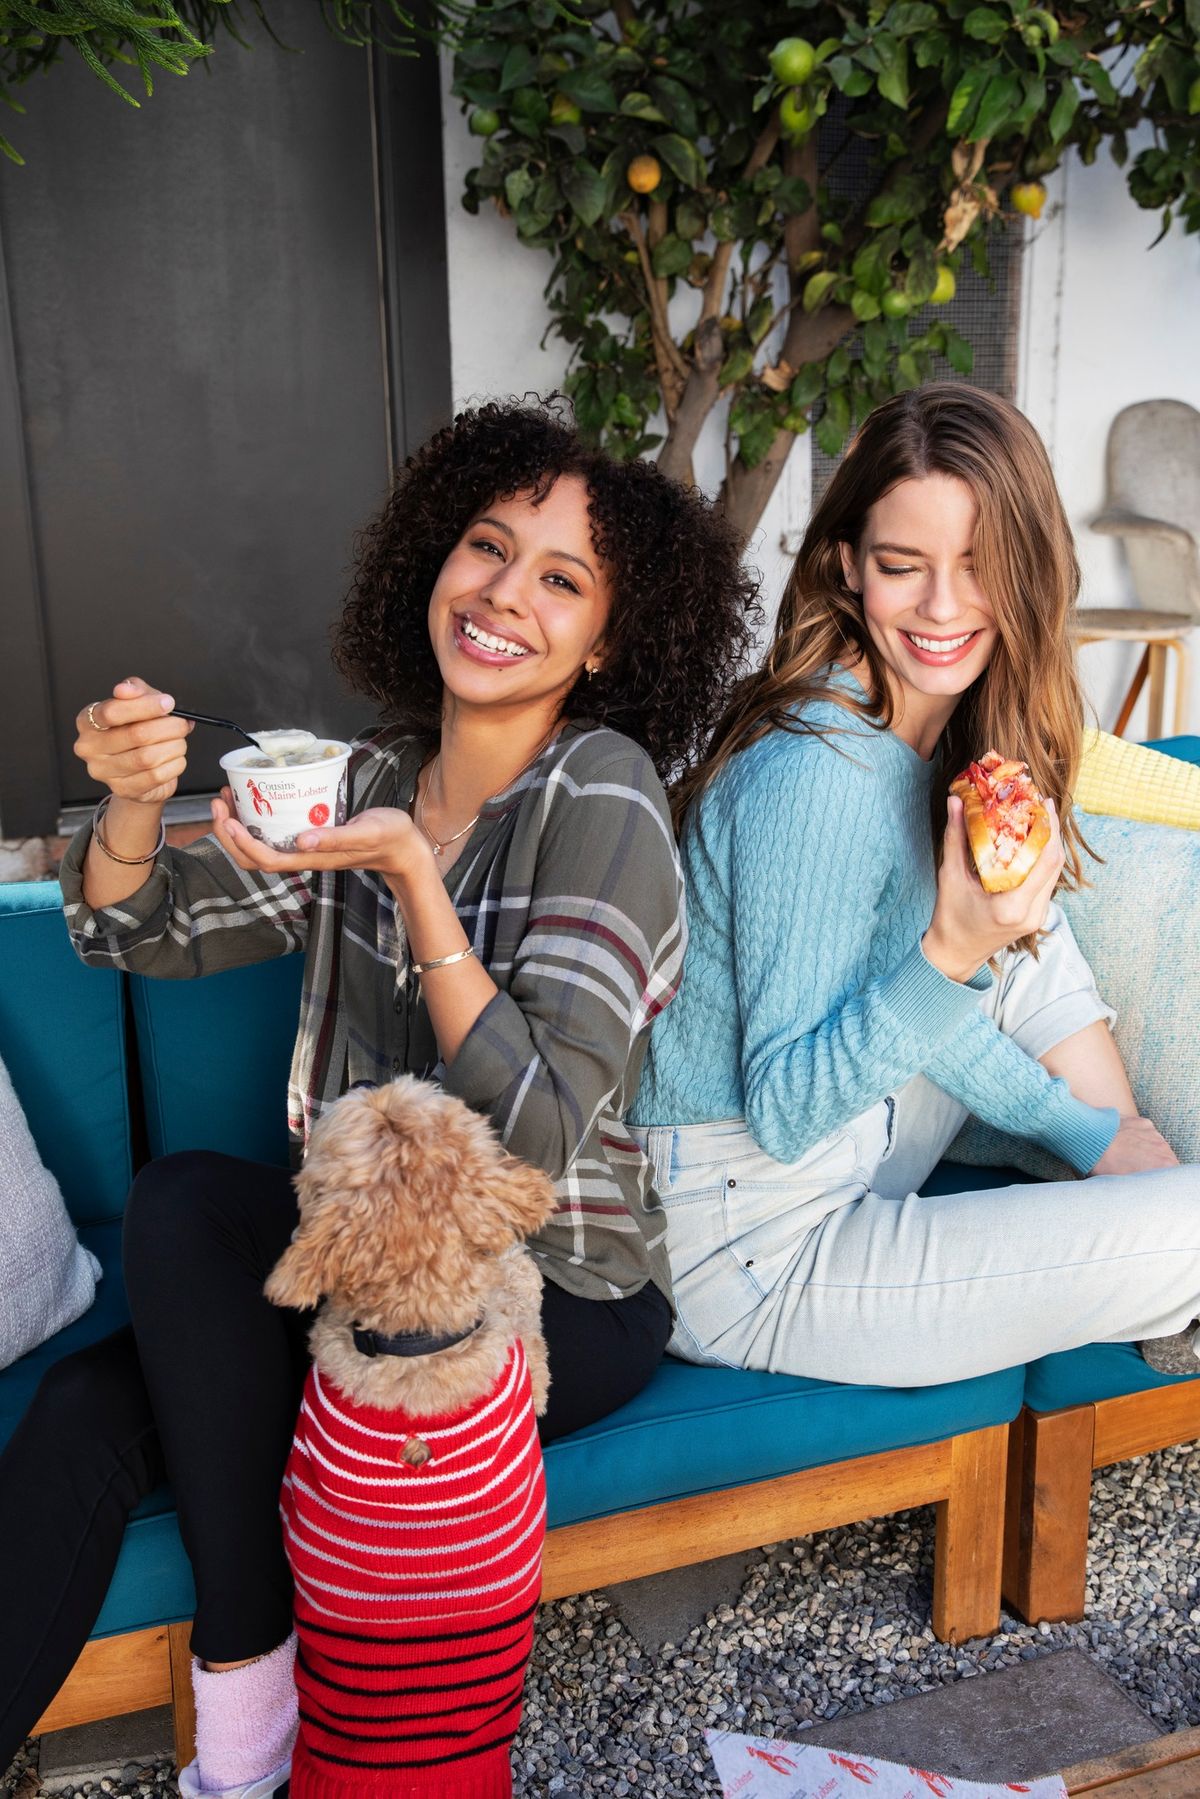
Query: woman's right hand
969	925
130	747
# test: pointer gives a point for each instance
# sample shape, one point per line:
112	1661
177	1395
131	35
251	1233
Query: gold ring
91	718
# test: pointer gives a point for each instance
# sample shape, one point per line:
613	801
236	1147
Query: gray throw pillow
47	1278
1138	924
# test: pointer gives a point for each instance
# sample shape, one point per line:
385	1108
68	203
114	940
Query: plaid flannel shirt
570	891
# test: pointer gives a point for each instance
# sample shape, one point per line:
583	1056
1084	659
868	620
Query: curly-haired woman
839	1020
548	633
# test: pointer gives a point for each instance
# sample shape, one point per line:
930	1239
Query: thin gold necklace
445	842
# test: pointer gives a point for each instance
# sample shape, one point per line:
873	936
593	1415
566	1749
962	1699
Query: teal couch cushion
214	1057
62	1039
697	1430
1097	1371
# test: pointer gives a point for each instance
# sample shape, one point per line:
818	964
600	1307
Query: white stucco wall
1104	323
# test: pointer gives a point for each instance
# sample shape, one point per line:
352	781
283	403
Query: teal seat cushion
62	1040
699	1430
1097	1371
214	1057
1184	749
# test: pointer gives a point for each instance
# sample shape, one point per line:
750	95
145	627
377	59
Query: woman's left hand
383	839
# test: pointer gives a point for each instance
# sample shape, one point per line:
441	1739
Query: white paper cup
276	804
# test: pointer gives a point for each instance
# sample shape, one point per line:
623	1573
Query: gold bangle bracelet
460	955
125	861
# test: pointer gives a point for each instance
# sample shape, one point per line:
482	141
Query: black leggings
204	1390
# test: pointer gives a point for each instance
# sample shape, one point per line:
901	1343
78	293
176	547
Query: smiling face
922	604
520	604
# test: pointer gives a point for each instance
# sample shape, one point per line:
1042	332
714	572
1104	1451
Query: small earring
590	671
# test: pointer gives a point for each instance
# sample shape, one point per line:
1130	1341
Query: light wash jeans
833	1267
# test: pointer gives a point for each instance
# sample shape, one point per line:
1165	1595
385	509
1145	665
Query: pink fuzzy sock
245	1719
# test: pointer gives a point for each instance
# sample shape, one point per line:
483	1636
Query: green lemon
484	122
895	304
564	111
1029	197
793	60
796	120
945	286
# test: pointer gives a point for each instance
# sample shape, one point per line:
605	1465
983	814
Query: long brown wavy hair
1027	703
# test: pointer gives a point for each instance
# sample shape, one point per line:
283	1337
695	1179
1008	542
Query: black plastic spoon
226	724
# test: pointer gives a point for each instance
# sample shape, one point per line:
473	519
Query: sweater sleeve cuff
1078	1133
926	1003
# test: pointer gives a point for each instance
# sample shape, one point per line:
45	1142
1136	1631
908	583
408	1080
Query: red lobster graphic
937	1783
258	798
861	1770
779	1764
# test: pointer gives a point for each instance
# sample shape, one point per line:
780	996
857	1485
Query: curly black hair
683	608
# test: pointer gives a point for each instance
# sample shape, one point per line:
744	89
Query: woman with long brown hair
851	993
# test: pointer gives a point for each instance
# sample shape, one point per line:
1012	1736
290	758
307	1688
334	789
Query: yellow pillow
1123	780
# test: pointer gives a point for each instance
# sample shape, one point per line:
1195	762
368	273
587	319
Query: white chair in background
1153	506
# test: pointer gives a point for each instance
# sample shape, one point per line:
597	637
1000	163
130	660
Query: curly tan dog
414	1500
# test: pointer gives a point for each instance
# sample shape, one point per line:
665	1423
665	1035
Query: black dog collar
409	1343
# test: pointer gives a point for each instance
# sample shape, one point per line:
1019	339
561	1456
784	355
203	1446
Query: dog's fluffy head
406	1198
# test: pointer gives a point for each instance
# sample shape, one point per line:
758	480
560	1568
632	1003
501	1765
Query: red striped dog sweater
416	1589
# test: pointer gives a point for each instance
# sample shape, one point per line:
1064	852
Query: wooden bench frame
1051	1456
963	1476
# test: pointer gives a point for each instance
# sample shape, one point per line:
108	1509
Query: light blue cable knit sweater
806	997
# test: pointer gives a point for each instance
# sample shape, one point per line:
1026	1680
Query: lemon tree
703	246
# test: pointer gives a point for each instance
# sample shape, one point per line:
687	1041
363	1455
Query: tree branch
672	369
718	274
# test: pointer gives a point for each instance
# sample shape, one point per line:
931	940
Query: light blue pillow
1138	924
47	1278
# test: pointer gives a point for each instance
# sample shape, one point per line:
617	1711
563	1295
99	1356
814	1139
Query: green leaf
589	89
683	159
828	436
892	80
1065	108
965	97
838	366
864	305
818	287
875	340
755	443
691	220
921	276
671	255
637	105
907	369
930	49
909	16
584	187
959	353
807	385
676	104
984	23
837	405
518	185
793	195
520	68
759	319
849	77
737	365
1000	100
1100	82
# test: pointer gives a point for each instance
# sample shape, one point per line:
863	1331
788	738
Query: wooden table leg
1131	698
1158	687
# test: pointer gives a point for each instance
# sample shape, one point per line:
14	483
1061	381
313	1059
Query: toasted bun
994	877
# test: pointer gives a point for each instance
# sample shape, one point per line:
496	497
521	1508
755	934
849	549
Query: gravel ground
823	1627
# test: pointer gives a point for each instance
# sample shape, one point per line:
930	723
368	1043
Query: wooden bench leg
182	1698
1131	698
1158	688
970	1538
1046	1513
